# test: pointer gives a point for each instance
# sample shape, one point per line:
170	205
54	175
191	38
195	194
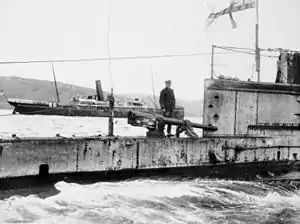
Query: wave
155	201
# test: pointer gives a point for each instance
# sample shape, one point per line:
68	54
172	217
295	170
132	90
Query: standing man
167	102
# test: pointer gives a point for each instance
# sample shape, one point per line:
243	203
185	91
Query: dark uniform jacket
167	99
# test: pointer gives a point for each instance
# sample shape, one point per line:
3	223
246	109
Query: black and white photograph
149	112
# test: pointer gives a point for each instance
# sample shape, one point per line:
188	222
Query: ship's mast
257	50
153	91
55	84
212	62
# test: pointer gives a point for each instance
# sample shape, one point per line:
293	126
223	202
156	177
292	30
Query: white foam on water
144	201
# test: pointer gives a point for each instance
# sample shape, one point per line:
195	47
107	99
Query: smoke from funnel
99	90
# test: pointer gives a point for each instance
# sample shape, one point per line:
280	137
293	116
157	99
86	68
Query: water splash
153	201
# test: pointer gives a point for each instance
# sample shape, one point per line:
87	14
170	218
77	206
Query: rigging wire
235	48
246	52
278	50
112	58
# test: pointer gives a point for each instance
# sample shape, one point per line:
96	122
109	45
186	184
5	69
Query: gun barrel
135	114
173	121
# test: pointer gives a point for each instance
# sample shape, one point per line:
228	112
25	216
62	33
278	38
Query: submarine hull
30	162
259	172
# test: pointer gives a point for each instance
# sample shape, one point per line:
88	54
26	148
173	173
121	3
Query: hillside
16	87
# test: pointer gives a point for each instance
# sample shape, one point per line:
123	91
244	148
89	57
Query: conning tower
242	108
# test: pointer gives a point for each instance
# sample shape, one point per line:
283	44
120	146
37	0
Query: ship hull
73	110
257	172
33	162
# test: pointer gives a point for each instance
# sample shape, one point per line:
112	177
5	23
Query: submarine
250	132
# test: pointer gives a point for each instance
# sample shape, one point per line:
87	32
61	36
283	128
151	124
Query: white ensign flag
234	6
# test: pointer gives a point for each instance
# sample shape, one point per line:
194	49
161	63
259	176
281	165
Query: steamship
90	106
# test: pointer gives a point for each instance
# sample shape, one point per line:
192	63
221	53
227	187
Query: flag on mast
234	6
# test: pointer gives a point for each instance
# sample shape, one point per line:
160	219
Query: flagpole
257	50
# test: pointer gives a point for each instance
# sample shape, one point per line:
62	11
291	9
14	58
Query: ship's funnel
99	90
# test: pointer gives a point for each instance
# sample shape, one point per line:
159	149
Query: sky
73	29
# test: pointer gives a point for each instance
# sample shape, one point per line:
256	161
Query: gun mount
155	124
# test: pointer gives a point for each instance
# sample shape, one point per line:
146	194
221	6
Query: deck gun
155	124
